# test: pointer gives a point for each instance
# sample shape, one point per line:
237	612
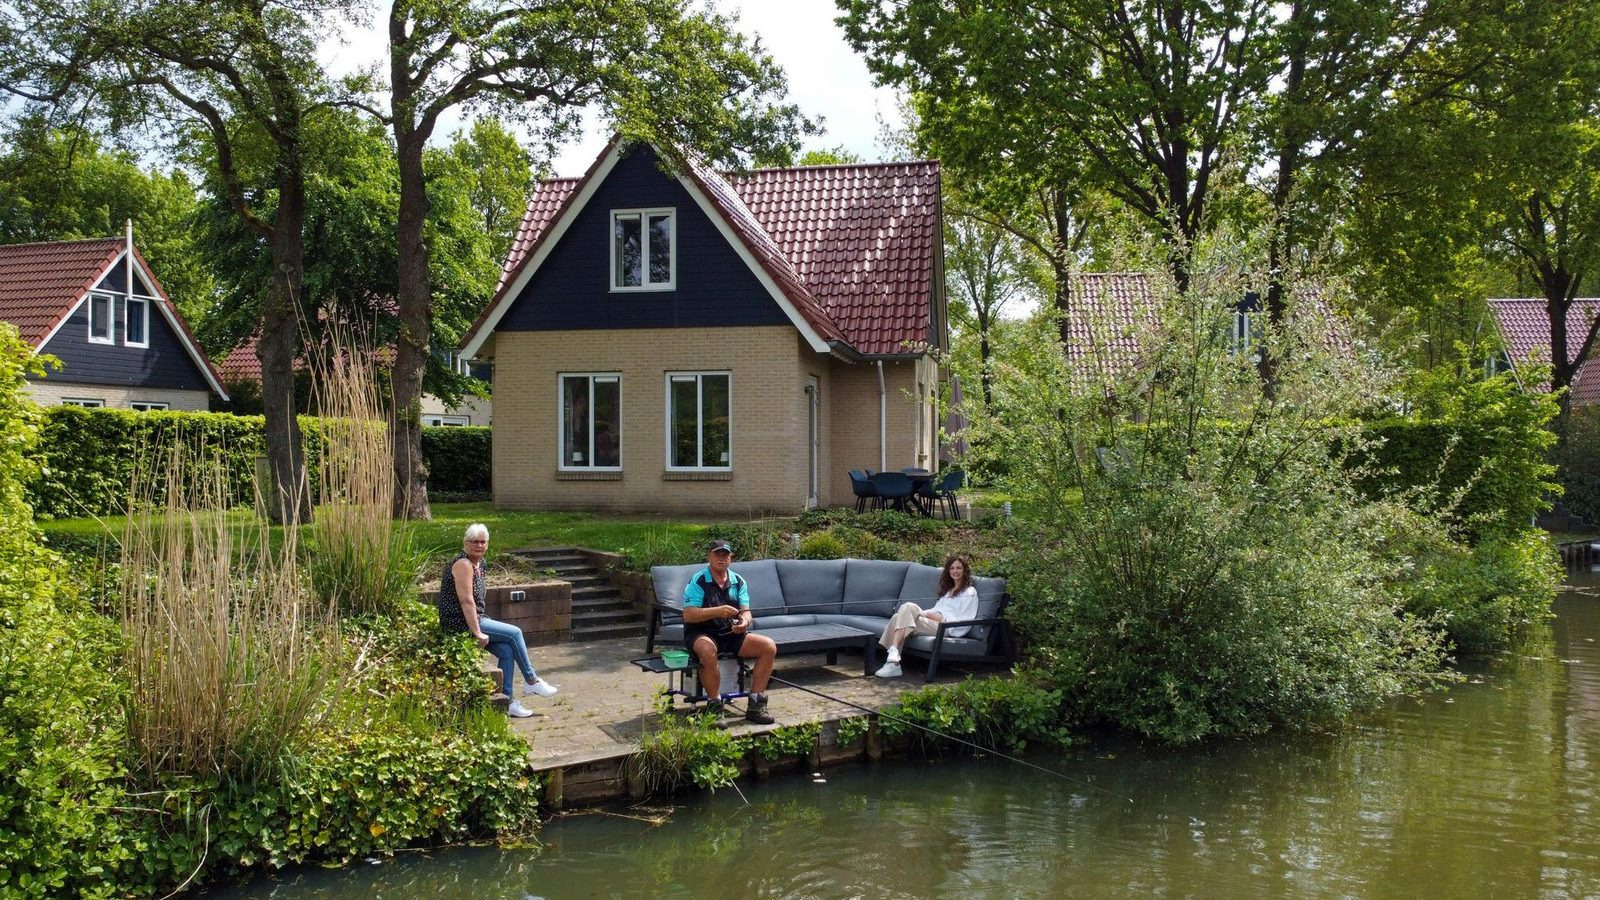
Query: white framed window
87	402
591	421
100	309
644	249
147	405
137	328
699	420
439	421
1240	335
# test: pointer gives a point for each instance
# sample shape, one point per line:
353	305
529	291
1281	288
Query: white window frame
148	405
144	304
85	402
644	215
561	420
110	315
435	420
700	419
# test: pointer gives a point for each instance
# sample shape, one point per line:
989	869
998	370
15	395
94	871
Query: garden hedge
86	457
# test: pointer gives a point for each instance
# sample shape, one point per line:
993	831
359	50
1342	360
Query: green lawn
507	530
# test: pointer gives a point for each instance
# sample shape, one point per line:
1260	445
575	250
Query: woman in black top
460	603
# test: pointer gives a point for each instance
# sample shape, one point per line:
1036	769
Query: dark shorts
727	642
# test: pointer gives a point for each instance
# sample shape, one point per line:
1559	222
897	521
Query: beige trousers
909	615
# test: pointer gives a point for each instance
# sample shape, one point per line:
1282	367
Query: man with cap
716	619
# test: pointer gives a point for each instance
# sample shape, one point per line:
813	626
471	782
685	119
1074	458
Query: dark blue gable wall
164	364
572	288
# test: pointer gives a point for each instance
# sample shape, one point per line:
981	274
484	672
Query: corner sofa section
859	593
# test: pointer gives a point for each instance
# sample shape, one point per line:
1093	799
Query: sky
826	77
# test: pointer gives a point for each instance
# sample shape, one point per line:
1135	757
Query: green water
1487	790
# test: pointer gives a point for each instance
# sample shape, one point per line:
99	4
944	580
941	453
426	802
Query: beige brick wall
477	410
855	427
49	393
768	421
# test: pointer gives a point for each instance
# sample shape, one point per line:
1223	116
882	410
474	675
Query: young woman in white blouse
958	602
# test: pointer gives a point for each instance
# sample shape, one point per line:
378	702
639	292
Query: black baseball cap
719	544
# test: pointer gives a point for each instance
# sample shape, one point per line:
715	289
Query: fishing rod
950	737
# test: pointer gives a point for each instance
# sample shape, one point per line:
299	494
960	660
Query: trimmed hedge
86	457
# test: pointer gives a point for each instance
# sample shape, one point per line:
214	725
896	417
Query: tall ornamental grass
361	559
228	655
1204	564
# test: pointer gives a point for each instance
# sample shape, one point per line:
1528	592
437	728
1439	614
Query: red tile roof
853	247
1525	328
40	283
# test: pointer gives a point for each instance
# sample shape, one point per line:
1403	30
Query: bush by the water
1485	595
1192	578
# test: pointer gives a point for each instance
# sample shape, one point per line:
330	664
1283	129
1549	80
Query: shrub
685	750
1191	580
663	547
1485	596
1578	462
1473	452
459	460
1007	714
821	545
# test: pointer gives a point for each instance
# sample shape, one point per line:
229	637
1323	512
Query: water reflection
1486	789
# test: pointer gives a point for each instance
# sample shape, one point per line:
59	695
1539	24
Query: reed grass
229	657
362	560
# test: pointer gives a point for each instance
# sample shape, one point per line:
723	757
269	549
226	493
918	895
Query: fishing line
951	737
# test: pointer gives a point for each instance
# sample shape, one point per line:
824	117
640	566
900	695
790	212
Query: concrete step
554	559
587	618
606	632
594	606
585	581
594	592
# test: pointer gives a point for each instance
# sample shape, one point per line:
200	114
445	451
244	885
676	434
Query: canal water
1489	789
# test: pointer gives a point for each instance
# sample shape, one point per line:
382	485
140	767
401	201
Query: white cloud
826	77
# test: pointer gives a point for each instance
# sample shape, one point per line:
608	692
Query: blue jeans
507	645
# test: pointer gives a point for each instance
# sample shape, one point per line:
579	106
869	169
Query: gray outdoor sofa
860	593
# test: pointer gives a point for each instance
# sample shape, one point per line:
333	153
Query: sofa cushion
921	585
990	592
872	587
873	625
670	581
812	585
670	635
782	619
954	648
766	592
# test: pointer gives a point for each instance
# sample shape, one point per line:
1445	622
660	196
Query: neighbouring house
96	306
694	342
241	372
1524	326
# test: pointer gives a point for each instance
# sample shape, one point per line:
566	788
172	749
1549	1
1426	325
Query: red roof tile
40	283
1525	328
853	247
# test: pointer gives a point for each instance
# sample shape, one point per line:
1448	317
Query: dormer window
100	306
644	245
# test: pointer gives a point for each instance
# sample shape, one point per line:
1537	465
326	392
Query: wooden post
874	741
553	789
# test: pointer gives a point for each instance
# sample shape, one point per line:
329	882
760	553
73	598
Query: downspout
883	422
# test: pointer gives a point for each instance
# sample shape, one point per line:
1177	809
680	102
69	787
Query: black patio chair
893	489
862	485
942	492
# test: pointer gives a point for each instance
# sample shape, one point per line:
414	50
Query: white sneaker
894	655
518	711
540	688
889	670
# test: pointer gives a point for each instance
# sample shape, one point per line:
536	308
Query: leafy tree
837	155
239	74
662	73
1147	95
60	184
495	173
986	268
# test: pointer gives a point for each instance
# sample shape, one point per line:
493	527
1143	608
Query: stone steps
599	611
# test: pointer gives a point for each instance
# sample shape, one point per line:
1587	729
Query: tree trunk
290	502
414	300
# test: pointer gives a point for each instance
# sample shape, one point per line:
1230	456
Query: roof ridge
117	238
885	164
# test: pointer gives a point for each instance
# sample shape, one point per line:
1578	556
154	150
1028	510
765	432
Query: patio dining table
919	479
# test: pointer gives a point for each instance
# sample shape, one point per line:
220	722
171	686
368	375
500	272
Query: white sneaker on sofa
889	670
540	688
